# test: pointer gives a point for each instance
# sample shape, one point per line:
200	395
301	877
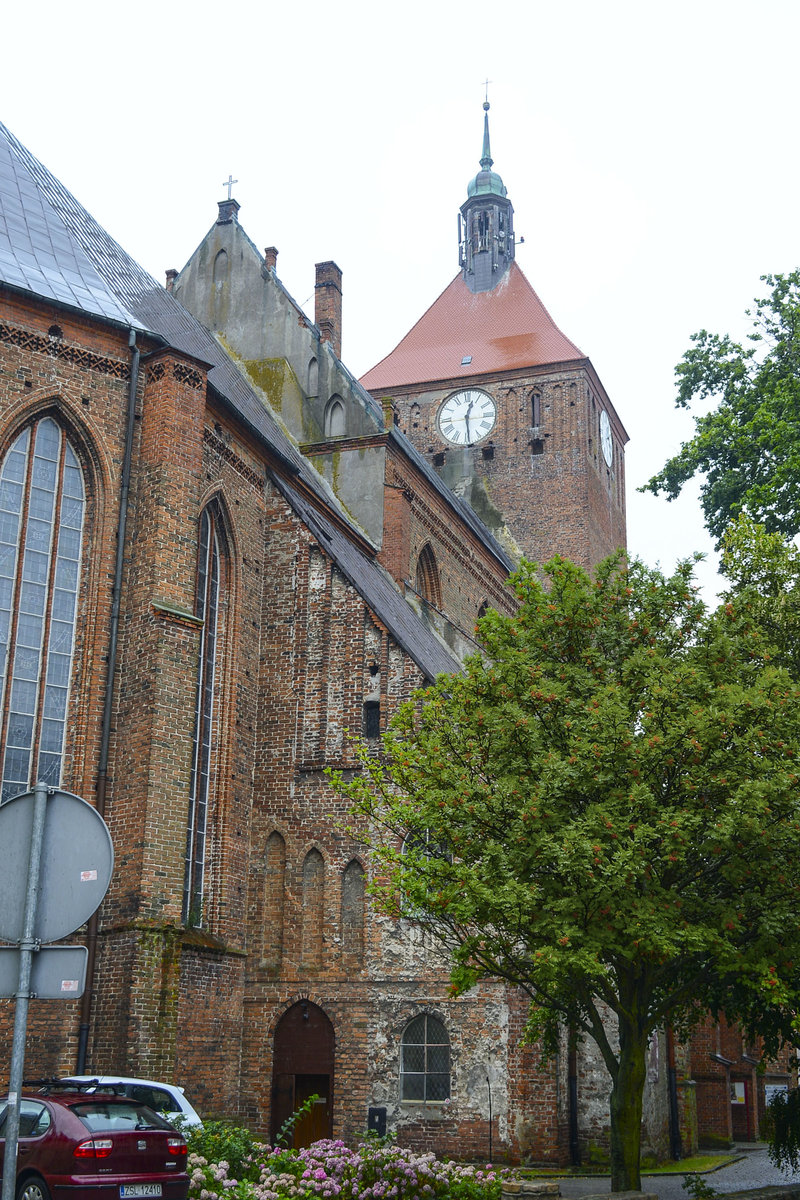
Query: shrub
329	1170
218	1142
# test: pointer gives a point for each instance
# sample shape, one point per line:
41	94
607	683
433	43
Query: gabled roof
499	330
52	247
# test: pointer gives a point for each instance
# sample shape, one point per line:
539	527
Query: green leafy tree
747	449
767	567
599	810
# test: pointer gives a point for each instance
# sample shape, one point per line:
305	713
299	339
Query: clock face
467	417
606	442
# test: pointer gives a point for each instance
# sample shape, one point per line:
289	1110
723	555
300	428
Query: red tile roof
500	330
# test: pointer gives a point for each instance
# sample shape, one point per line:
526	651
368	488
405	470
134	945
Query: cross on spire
229	182
486	83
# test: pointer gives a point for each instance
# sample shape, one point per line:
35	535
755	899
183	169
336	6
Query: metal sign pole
27	945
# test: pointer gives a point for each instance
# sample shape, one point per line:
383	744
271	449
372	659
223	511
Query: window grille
425	1061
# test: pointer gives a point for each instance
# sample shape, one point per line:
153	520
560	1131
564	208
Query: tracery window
42	513
425	1060
207	598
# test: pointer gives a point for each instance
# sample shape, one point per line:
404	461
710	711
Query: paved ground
753	1170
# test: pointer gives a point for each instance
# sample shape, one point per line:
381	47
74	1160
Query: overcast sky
649	150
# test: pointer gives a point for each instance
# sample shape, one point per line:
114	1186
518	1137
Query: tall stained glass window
42	511
207	608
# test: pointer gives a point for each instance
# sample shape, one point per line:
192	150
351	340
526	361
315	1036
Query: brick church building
220	555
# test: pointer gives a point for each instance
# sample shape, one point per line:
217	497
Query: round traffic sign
76	864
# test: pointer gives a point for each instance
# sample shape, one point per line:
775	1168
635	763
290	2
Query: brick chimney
271	257
328	305
172	275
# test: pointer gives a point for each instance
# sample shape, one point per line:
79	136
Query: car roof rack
64	1083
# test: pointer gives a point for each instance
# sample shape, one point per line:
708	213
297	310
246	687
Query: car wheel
33	1189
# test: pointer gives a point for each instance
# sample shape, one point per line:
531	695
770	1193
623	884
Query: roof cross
486	83
229	182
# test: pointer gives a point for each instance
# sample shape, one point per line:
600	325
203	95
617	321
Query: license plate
139	1189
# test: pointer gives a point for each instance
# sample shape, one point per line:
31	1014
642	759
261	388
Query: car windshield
101	1117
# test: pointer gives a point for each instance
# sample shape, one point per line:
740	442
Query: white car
164	1098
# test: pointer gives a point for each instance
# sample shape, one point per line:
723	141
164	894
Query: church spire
486	238
486	156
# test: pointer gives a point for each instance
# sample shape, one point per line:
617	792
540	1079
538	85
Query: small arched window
207	600
313	910
353	893
42	511
313	377
274	901
425	1061
335	423
427	576
536	408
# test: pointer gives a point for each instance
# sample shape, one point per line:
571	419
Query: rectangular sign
57	972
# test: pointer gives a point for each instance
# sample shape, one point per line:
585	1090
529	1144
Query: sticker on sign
88	876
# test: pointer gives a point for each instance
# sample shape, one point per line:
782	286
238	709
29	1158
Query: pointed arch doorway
303	1065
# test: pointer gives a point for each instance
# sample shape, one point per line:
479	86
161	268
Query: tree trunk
626	1112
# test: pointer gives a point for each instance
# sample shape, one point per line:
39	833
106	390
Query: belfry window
425	1061
42	511
207	608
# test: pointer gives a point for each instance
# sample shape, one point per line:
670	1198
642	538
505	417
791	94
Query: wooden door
302	1066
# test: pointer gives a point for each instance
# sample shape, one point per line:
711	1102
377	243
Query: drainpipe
105	737
675	1147
572	1098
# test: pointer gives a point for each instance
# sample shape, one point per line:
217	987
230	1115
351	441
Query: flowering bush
329	1170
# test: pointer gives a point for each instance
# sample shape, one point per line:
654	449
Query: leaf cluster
747	449
598	808
783	1129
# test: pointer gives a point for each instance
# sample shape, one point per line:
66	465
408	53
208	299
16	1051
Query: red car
94	1147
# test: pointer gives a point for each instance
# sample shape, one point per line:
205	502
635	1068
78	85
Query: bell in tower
485	225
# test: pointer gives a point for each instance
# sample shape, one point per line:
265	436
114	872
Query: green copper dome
486	182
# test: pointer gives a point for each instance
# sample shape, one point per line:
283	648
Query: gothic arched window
42	511
425	1060
427	578
313	910
353	897
207	598
274	900
335	423
313	377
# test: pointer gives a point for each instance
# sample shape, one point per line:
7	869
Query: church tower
485	224
507	409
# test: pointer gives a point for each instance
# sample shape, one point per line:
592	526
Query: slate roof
37	251
52	247
498	330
